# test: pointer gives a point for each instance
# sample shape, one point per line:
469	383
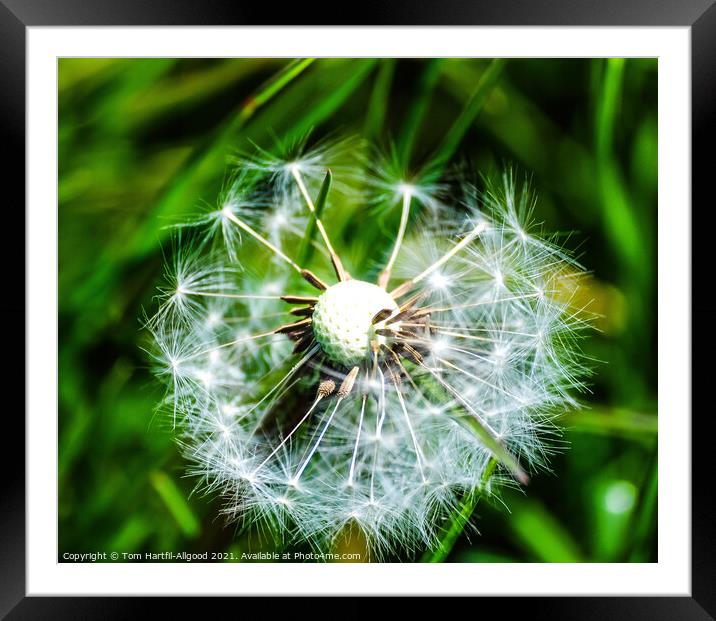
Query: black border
17	15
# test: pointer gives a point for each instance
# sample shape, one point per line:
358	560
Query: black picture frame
17	15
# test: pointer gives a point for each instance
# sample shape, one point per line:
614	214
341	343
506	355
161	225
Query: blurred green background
142	142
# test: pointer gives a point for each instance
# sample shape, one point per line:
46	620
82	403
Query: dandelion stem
446	309
355	448
175	383
314	448
475	337
406	286
288	437
451	253
241	224
239	318
243	339
384	277
335	259
286	378
412	432
232	296
481	380
381	419
378	432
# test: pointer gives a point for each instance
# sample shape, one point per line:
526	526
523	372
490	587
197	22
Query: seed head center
342	320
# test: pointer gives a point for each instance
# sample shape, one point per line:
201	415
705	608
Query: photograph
357	310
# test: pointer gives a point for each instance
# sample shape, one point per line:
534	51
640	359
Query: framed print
389	309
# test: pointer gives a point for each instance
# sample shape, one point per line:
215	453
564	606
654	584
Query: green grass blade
416	111
176	503
272	87
541	533
466	118
620	221
306	250
378	104
645	517
459	520
498	450
332	100
612	421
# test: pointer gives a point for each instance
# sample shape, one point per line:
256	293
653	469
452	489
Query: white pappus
320	402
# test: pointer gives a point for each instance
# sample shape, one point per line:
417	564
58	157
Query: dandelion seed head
313	400
343	320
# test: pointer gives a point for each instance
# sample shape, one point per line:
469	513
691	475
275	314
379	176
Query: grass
143	142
